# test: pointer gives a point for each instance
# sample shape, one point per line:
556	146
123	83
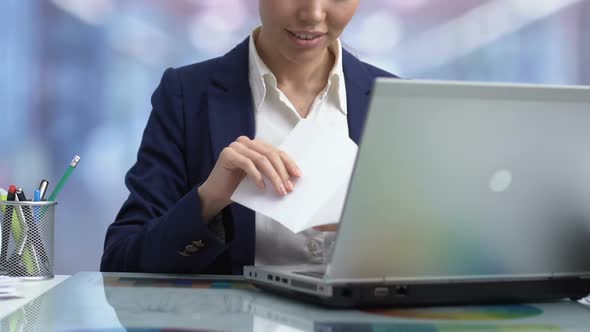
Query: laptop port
401	290
284	281
269	277
277	278
381	291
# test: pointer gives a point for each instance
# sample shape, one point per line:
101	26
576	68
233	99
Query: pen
20	194
36	210
32	233
11	192
6	219
20	214
43	188
28	255
3	197
19	230
19	259
64	178
3	227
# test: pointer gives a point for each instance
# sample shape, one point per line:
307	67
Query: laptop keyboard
314	274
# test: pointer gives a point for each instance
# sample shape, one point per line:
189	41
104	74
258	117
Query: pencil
64	178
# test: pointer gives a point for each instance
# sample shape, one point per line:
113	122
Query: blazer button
191	248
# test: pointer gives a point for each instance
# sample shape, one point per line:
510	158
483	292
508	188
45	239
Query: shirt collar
260	75
337	76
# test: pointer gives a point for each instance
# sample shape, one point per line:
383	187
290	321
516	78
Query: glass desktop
108	302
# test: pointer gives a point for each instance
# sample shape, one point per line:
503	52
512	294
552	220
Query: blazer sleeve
159	228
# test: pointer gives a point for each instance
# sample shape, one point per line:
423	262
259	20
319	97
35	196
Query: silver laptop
461	193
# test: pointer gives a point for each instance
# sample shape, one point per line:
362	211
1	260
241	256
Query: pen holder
27	239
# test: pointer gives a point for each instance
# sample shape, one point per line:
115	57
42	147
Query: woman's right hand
245	157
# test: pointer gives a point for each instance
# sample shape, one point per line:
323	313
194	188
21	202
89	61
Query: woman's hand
245	157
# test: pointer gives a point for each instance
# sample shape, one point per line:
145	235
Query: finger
273	155
279	166
245	164
265	148
243	139
263	164
290	164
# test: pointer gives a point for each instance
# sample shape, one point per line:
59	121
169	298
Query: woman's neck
310	75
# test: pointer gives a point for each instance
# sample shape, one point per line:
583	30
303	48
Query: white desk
28	290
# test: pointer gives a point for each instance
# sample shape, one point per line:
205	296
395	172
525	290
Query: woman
215	122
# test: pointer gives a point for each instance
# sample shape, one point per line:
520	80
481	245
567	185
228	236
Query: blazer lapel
358	88
230	109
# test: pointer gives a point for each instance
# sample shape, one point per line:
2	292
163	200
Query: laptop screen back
469	181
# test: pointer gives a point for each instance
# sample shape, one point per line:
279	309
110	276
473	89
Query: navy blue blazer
197	111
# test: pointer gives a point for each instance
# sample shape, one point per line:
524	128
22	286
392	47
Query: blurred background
76	77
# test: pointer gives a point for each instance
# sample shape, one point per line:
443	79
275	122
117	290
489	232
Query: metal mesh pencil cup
27	239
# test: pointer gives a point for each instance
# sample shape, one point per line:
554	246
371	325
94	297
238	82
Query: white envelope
326	160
